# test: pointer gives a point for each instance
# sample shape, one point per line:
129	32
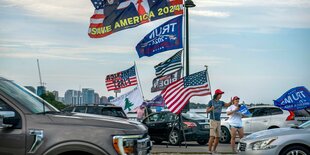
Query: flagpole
139	80
187	4
209	82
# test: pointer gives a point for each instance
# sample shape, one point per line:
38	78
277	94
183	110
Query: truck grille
241	146
144	146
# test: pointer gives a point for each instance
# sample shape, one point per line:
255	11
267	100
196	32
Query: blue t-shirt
217	109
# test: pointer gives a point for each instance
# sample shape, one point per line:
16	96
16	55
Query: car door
246	122
156	124
260	119
12	140
170	123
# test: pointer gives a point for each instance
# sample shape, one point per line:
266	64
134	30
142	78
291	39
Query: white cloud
73	11
209	13
247	3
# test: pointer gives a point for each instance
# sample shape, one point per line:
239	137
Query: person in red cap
215	109
235	121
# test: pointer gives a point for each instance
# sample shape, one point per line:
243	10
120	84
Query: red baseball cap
236	98
218	91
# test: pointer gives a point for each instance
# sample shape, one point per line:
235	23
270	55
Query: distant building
41	90
32	89
97	98
73	97
56	94
61	99
110	98
104	100
88	96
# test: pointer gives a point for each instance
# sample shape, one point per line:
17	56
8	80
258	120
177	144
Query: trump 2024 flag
167	36
121	79
130	100
111	16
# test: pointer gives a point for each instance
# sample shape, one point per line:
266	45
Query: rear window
80	109
275	111
113	111
68	109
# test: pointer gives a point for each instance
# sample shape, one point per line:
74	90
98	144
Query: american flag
177	94
121	79
170	65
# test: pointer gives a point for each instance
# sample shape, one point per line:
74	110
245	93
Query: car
164	126
105	109
282	141
30	125
263	117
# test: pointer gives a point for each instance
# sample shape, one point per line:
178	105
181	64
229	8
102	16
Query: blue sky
256	50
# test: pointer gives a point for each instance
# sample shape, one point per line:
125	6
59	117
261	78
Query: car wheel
273	127
225	135
202	141
174	137
296	150
157	141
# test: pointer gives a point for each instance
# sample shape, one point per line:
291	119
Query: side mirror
8	119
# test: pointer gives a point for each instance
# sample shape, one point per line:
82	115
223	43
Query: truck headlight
263	144
125	145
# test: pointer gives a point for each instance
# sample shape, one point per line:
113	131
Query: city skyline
255	50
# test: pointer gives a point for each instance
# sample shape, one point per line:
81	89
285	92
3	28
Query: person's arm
230	112
209	107
228	104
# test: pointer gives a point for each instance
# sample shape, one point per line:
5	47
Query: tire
174	137
297	149
273	127
157	141
202	141
225	135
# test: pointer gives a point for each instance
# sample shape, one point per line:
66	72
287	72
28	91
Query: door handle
247	122
265	121
151	124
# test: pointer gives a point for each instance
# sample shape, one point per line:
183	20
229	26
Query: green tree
50	98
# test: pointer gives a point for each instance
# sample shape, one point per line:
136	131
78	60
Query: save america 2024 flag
167	36
130	100
115	15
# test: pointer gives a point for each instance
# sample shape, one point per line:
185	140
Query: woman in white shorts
235	121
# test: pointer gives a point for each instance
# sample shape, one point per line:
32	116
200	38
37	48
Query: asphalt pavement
191	149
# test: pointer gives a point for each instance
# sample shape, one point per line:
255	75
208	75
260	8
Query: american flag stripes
172	64
121	79
177	94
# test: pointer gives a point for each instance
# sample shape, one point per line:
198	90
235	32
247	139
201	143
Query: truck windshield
26	98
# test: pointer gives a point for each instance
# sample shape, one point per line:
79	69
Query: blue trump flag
295	99
167	36
244	110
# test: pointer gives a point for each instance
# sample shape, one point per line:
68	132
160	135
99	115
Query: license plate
206	126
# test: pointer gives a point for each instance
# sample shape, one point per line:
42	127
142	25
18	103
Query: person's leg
211	140
233	138
216	142
217	135
241	133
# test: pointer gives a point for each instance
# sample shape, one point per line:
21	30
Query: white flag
130	100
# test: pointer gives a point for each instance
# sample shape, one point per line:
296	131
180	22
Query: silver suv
30	125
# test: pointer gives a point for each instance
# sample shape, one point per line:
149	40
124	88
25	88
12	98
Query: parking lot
192	148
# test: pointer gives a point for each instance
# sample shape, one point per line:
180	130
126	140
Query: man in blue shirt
215	108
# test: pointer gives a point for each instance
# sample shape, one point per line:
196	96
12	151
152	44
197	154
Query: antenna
38	63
